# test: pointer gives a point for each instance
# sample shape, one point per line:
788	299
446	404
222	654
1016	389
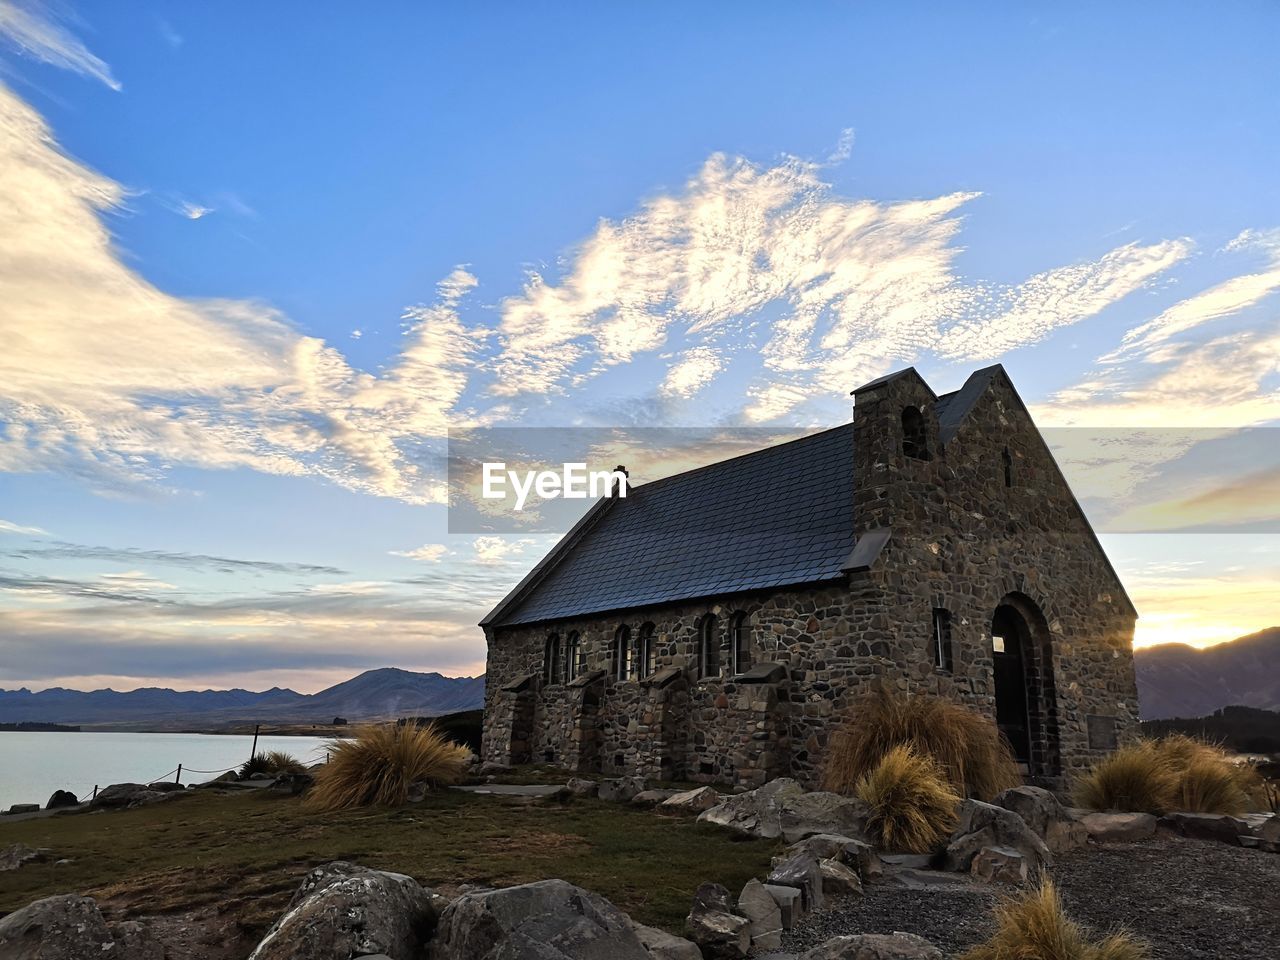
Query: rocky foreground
1188	884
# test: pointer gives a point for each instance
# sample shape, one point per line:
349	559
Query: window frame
709	648
645	659
551	672
622	653
573	659
942	640
915	434
740	642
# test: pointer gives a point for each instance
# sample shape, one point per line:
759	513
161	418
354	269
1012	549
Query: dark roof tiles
772	518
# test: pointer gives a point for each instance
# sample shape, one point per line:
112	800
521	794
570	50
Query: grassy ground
244	855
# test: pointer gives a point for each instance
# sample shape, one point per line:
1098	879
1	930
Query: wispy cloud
430	553
8	526
59	550
33	28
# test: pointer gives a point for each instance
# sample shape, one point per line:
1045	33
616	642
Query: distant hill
1175	680
373	695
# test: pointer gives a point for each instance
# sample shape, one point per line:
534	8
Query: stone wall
961	540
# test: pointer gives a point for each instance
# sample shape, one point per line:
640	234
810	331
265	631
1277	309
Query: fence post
253	752
95	792
178	776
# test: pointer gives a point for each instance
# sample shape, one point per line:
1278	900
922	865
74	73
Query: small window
942	655
551	659
915	437
646	658
574	661
622	653
1007	460
741	634
709	647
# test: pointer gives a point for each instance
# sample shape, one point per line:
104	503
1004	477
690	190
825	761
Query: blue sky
259	258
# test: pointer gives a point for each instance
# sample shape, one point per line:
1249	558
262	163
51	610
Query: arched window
622	653
646	659
709	647
740	634
915	438
551	659
1007	460
574	661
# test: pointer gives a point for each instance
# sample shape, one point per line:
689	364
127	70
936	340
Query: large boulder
67	927
15	855
839	879
1119	827
830	846
61	798
580	787
757	812
875	946
821	812
720	933
1206	826
547	920
665	946
123	795
803	872
622	789
344	910
999	865
782	808
1045	814
986	825
763	915
692	801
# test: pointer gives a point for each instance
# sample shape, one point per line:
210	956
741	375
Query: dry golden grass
1134	778
1034	927
912	805
1176	772
967	746
378	765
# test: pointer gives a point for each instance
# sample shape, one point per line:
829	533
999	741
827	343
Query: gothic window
741	635
646	651
1007	460
551	659
915	438
574	659
943	657
709	647
622	653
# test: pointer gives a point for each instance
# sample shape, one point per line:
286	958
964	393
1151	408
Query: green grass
249	852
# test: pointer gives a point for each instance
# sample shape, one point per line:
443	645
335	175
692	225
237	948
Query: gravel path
1189	899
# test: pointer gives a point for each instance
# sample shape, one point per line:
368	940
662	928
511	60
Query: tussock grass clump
1176	772
1134	778
271	762
1034	927
378	765
968	747
912	804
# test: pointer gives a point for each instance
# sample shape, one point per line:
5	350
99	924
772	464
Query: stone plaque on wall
1102	732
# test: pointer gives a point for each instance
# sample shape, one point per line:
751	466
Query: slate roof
776	517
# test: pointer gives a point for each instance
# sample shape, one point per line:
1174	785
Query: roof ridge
741	456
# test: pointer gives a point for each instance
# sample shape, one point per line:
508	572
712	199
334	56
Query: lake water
33	765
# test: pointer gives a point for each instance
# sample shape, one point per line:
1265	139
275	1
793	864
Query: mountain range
1175	680
373	695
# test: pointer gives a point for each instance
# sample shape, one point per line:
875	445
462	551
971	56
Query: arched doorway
1026	704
